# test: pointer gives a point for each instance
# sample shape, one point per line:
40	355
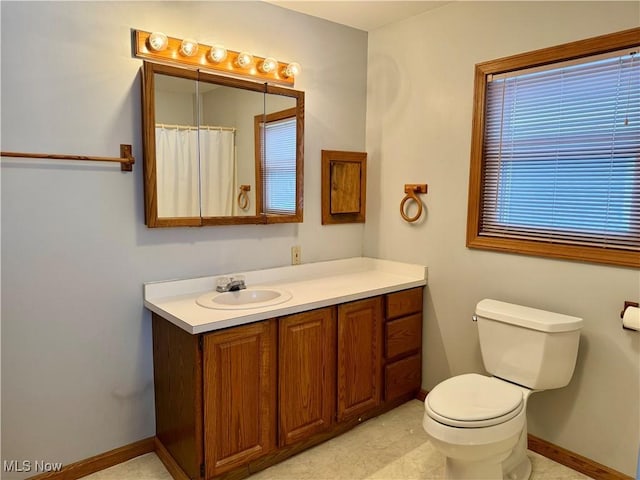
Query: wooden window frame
259	121
570	51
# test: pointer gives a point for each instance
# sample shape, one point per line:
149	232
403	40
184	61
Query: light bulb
292	70
189	47
217	53
244	60
268	65
158	41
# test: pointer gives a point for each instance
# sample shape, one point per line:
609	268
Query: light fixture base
201	60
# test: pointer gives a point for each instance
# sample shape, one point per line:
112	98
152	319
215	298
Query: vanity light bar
158	46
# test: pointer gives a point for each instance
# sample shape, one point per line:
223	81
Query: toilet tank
533	348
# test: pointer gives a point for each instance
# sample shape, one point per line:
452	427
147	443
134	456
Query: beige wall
418	131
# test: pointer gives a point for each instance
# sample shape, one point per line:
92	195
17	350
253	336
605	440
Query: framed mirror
220	150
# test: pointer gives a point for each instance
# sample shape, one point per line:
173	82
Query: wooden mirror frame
152	220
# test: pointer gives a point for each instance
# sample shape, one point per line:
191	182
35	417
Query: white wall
418	131
76	343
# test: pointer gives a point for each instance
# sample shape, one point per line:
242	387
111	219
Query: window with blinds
279	169
557	170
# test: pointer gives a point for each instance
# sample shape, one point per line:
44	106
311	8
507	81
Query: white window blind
279	170
562	154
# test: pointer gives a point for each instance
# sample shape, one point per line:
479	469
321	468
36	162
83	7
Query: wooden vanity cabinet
306	374
234	401
359	357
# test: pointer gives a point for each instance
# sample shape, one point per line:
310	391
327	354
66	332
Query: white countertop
312	285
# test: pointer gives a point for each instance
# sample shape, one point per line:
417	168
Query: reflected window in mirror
276	161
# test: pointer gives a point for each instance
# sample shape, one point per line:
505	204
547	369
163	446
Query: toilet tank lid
527	317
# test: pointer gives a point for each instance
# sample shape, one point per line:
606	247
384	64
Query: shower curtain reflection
177	171
191	188
217	171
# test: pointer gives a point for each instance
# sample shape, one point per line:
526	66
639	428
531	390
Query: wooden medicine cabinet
344	186
220	150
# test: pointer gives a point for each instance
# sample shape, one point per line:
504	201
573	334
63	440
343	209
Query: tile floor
392	446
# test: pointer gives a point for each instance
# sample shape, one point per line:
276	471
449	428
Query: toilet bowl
478	422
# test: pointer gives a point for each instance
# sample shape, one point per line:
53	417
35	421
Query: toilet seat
474	401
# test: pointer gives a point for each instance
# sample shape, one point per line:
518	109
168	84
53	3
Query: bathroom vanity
239	388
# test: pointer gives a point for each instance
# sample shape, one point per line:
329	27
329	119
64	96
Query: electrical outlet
296	252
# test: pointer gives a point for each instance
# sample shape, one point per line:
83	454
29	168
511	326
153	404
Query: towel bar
126	159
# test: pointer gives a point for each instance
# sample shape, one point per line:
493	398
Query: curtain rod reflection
191	127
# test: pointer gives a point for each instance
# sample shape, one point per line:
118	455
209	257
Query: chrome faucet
230	284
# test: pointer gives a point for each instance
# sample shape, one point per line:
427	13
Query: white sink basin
243	299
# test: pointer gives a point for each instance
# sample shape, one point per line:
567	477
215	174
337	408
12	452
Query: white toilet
478	422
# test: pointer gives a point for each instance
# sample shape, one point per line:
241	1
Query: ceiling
363	15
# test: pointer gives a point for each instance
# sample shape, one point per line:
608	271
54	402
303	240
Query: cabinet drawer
403	335
403	377
404	303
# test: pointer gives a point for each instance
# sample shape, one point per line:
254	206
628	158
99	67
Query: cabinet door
359	356
306	369
239	368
